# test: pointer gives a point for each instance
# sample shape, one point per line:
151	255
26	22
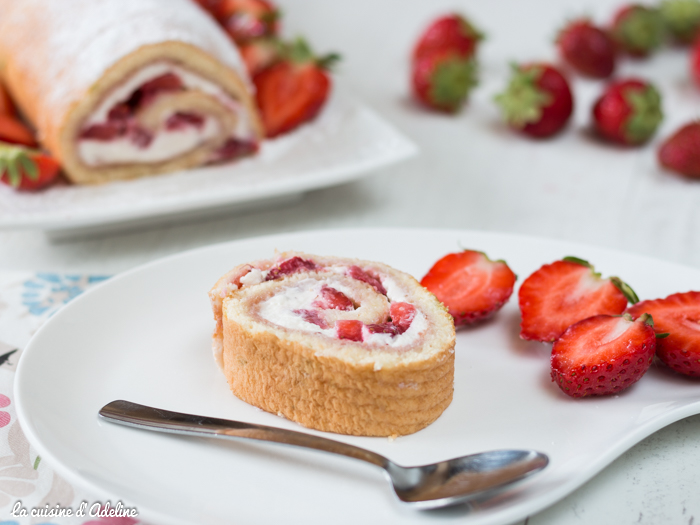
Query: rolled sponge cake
119	89
335	344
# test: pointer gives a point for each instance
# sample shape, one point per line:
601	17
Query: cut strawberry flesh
470	285
148	91
313	317
349	329
182	120
383	328
234	149
290	266
679	316
332	299
402	315
561	294
366	277
602	355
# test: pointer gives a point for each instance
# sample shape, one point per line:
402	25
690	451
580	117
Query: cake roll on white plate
119	89
335	344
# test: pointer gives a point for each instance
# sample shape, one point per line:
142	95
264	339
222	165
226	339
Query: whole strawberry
293	90
470	285
442	79
603	355
628	112
695	63
681	151
537	101
450	32
682	19
677	317
638	30
587	48
565	292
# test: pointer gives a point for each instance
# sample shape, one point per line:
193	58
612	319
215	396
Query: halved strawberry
678	315
244	20
603	354
349	329
6	105
26	169
293	90
332	299
470	285
565	292
14	132
260	53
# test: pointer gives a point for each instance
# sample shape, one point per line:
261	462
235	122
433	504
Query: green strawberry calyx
523	100
626	290
16	162
646	113
682	18
641	30
469	30
300	52
451	80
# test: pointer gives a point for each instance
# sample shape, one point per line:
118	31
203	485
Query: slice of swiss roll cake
335	344
119	89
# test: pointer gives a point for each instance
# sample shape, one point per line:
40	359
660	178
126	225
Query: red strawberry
451	32
587	48
442	79
638	30
349	329
681	151
294	90
537	101
470	285
678	315
289	266
244	20
26	169
628	112
682	19
6	105
565	292
402	315
695	63
260	53
14	132
603	354
332	299
366	277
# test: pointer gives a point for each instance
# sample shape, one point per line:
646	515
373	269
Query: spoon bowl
430	486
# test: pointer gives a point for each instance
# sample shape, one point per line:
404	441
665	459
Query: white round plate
143	336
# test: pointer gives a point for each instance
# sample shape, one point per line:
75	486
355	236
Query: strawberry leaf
626	290
578	260
522	101
646	113
16	162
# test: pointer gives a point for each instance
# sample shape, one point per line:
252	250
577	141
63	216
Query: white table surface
473	173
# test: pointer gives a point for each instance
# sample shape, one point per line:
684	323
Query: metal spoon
429	486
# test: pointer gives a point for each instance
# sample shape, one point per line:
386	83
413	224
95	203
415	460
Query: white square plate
347	141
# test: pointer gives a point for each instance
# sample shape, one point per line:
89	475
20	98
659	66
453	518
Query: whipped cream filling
166	144
281	309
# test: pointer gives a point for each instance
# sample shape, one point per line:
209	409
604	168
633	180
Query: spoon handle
156	419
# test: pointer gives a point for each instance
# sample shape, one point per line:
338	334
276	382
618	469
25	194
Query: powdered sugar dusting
83	38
